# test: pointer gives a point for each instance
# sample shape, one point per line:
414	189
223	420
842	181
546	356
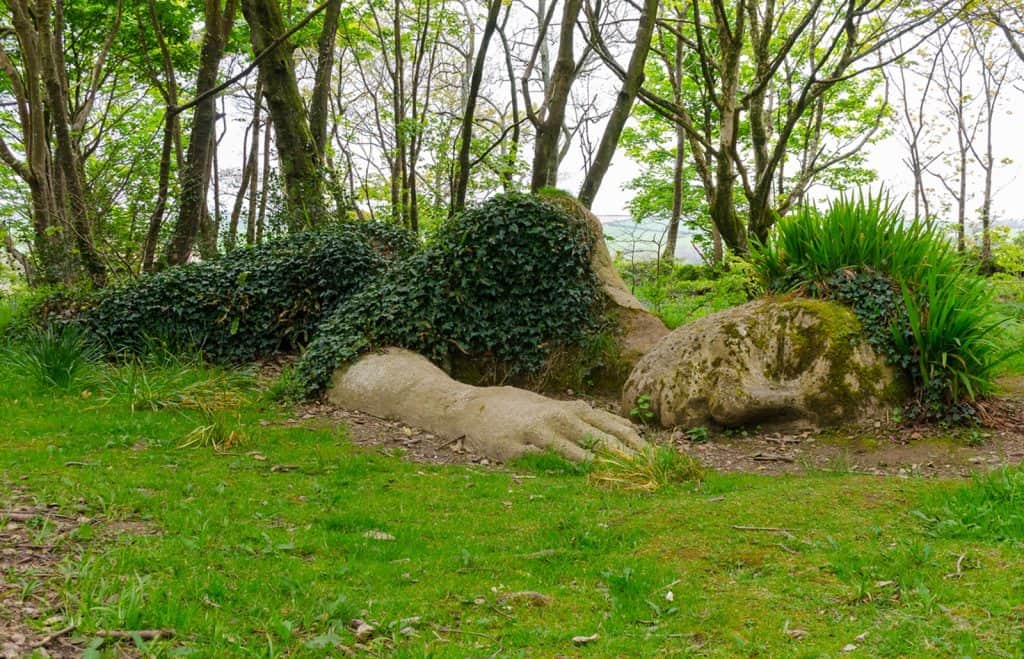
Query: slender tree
632	81
218	21
299	157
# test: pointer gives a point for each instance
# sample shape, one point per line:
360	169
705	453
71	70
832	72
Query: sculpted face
770	361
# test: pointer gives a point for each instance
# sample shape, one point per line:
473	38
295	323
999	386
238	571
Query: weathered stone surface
497	422
770	361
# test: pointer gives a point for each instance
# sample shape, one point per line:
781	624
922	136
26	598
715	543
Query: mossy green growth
811	330
840	330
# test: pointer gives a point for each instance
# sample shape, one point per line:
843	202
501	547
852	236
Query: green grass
243	559
991	507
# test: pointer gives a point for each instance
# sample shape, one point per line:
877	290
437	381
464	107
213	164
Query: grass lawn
274	545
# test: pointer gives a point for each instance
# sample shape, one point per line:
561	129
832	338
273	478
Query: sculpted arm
499	422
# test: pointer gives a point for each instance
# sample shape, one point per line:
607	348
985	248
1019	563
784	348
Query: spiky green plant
942	331
55	356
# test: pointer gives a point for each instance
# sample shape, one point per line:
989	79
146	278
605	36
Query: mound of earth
774	361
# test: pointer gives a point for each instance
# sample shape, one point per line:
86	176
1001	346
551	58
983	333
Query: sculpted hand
498	422
505	422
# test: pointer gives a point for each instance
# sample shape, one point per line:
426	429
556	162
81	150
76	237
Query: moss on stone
771	361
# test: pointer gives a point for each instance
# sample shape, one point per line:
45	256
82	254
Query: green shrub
56	356
681	292
508	280
920	304
250	303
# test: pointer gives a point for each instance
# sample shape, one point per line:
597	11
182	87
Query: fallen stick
766	529
449	442
764	457
144	634
46	640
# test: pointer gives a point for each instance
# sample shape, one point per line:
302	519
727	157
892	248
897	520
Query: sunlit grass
276	544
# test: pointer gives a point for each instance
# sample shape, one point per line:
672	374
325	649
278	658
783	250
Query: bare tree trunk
677	196
163	185
986	207
256	179
548	129
995	68
248	168
466	131
961	198
261	219
300	160
171	139
318	104
194	177
631	84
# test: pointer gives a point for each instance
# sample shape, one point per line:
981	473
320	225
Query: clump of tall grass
646	471
184	384
218	430
55	356
941	332
990	507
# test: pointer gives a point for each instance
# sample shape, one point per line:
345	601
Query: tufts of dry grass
645	471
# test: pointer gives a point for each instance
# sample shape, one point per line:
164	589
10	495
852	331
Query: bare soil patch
388	436
36	540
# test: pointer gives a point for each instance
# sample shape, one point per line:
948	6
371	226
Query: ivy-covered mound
509	280
252	302
920	304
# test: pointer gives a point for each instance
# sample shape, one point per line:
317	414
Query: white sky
885	158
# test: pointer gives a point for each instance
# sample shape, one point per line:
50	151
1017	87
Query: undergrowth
683	292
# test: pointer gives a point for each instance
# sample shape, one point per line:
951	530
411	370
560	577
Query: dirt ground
34	539
39	546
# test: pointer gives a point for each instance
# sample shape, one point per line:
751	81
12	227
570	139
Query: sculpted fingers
615	426
579	430
552	440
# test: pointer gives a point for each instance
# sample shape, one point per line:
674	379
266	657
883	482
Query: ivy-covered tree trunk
300	159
